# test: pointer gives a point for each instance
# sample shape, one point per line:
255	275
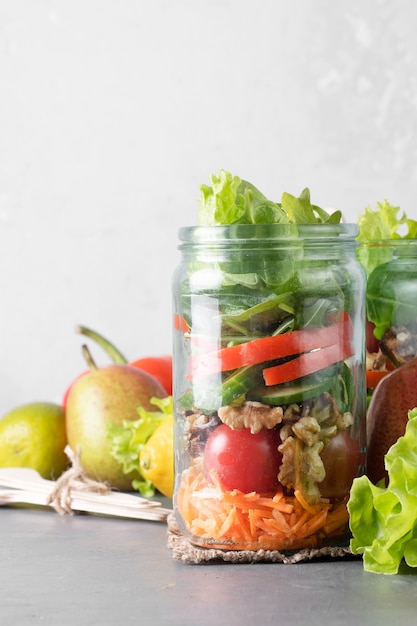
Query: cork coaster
183	550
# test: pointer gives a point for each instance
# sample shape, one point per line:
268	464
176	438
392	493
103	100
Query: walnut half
253	415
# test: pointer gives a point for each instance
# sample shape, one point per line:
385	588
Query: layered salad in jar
268	371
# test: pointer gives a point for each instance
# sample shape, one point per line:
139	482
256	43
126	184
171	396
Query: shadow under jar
269	386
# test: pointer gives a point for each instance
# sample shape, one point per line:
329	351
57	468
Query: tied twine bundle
74	478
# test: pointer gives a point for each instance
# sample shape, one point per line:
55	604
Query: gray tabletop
91	570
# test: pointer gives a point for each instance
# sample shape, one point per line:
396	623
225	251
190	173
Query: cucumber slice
289	393
210	395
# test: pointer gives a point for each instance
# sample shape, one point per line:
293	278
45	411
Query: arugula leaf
231	200
383	519
128	439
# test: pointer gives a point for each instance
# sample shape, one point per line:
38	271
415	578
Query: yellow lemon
157	457
33	435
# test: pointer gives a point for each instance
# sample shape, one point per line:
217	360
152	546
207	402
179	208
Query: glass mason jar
269	388
391	300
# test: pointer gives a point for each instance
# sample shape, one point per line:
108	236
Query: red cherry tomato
341	459
160	367
242	460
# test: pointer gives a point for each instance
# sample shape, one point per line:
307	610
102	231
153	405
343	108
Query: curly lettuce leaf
383	519
382	224
128	439
231	200
220	202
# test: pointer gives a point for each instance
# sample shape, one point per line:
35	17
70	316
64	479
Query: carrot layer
237	520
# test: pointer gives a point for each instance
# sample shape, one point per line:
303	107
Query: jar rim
280	232
401	241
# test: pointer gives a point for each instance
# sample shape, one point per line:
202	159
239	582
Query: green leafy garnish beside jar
383	518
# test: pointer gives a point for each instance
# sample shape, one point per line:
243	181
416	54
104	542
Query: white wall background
112	112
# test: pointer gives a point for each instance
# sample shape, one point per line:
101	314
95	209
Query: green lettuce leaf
231	200
220	202
381	224
301	211
389	302
128	439
383	519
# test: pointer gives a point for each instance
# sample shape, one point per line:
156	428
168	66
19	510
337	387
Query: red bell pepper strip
307	363
374	376
270	348
180	323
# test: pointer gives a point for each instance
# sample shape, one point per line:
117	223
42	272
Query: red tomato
160	367
341	459
242	460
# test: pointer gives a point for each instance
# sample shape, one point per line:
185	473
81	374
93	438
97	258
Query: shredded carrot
228	524
279	504
299	523
311	508
338	516
238	520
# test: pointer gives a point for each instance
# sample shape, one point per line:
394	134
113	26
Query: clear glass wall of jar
269	386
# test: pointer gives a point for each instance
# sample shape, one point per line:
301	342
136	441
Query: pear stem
89	359
115	354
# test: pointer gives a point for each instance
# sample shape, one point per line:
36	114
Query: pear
387	415
106	394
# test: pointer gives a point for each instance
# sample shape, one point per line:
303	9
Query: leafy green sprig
381	225
127	439
384	223
231	200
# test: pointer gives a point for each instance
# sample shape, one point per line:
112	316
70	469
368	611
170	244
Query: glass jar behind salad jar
391	304
269	386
